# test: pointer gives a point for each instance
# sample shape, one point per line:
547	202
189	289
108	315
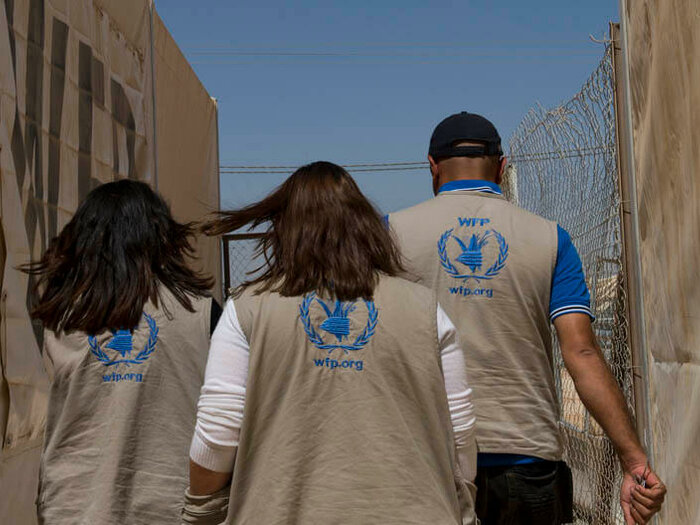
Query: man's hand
640	503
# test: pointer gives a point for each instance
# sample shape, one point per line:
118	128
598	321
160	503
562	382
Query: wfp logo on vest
479	251
336	331
120	348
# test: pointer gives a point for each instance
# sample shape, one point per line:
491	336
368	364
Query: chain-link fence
564	168
241	261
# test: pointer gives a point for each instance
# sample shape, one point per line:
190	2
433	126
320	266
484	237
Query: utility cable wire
500	43
364	165
410	166
350	170
347	54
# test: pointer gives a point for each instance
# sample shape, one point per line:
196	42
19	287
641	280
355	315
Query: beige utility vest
491	264
121	417
346	418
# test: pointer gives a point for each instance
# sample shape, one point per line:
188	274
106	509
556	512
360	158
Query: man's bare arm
602	397
597	387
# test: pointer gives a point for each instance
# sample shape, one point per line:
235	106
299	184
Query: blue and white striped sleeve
569	291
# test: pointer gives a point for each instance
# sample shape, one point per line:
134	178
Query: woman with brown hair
324	398
127	332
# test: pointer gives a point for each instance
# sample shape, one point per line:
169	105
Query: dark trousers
538	493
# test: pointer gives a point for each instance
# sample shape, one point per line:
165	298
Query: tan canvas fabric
210	509
72	93
120	421
76	110
664	79
188	149
502	317
354	436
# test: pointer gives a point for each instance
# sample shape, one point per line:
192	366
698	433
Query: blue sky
366	81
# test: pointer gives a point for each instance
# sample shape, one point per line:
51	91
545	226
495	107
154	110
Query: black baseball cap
462	127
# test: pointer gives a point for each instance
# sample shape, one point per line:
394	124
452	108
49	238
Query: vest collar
481	186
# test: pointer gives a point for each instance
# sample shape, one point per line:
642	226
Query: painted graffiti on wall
42	48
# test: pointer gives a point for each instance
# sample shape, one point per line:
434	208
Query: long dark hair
322	235
110	258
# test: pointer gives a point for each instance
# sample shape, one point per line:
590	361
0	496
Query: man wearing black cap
503	275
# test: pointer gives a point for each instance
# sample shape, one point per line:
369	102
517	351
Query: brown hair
323	235
110	258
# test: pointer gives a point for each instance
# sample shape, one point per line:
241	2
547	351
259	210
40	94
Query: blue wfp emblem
338	327
474	264
121	347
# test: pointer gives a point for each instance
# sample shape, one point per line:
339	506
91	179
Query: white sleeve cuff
216	458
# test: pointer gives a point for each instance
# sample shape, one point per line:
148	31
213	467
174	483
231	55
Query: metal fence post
630	233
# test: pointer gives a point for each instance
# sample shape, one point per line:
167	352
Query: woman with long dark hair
127	332
325	399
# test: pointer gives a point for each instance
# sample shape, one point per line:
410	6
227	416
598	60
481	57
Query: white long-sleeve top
222	400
